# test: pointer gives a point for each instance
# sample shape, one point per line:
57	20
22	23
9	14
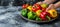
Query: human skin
51	6
54	6
57	4
49	1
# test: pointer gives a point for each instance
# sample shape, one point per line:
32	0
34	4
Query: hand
51	6
54	6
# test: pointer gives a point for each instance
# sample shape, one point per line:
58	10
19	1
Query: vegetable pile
38	12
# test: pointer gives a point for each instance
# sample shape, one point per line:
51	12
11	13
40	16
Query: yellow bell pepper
44	5
53	13
29	8
38	12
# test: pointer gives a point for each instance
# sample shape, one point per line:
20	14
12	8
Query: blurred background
10	14
17	2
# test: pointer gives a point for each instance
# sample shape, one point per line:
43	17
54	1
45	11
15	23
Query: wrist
57	5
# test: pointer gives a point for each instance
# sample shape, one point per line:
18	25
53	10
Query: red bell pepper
43	9
36	7
43	15
25	6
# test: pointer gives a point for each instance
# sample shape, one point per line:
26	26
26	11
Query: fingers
51	6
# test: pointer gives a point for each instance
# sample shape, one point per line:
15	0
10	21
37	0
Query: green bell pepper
24	12
31	15
38	19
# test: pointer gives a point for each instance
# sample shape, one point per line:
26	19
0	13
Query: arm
57	4
49	1
52	6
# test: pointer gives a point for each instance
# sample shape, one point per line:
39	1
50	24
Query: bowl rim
35	20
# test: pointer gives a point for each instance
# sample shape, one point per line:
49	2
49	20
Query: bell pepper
43	15
31	15
38	12
43	9
29	8
44	5
24	12
53	13
38	19
25	6
36	7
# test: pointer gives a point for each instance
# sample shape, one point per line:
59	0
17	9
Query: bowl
37	21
